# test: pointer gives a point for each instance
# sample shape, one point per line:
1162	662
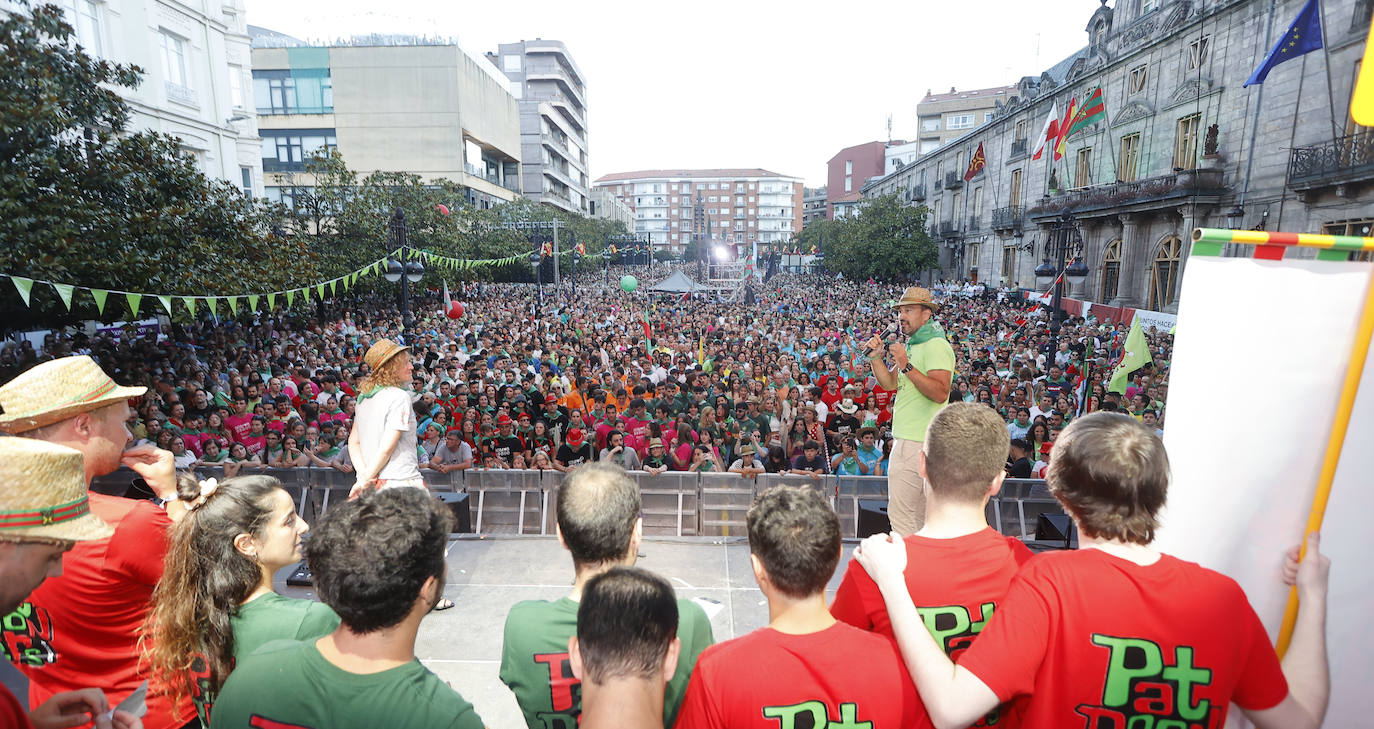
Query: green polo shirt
913	412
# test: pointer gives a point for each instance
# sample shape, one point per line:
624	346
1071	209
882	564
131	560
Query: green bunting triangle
65	292
166	303
190	302
252	302
99	295
321	290
272	302
134	300
290	298
25	286
233	304
211	301
333	287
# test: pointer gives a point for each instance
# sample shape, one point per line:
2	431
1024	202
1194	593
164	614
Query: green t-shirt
290	683
535	650
264	619
914	411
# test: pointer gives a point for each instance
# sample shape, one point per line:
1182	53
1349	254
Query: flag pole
1254	119
1326	56
1349	389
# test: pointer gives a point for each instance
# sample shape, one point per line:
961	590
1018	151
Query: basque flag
1303	36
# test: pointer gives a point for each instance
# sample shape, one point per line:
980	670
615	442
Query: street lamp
1064	240
403	270
575	258
1235	217
535	260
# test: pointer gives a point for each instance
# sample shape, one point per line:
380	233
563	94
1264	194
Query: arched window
1164	273
1111	270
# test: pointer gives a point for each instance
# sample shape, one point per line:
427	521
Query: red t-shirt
768	679
955	583
81	629
240	425
882	400
255	444
12	713
1096	640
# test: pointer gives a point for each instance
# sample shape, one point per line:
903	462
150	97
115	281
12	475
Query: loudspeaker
301	577
462	513
1057	529
873	518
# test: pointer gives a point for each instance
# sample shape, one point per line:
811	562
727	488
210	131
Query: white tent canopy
679	283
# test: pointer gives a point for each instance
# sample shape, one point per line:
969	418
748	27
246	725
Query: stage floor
487	575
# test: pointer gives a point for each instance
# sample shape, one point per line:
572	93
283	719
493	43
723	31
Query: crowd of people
652	383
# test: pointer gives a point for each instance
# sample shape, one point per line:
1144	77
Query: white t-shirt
377	416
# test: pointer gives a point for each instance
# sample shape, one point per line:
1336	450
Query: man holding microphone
921	372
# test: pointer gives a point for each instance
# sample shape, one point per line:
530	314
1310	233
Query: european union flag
1303	36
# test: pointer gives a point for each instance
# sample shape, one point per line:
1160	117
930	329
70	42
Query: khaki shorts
906	496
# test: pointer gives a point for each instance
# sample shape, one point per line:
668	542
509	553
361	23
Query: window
1130	157
849	184
978	202
1197	52
713	198
236	96
1083	174
959	121
298	91
987	117
287	149
173	59
1164	273
1136	83
1148	6
246	174
849	167
1008	261
1111	271
85	18
1185	142
713	185
1014	199
1021	129
510	63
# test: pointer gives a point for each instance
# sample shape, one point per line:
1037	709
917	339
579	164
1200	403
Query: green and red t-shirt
956	585
1095	640
840	676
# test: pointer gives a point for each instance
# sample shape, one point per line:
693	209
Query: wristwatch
907	368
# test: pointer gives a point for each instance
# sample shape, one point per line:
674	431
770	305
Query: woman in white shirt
383	442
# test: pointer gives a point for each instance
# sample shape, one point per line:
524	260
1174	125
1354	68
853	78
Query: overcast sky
778	85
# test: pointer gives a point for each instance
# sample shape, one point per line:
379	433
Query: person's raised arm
886	378
1305	664
954	697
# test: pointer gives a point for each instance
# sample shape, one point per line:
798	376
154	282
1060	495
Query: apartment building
552	95
732	205
942	118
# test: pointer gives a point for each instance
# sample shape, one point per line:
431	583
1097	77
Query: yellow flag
1362	105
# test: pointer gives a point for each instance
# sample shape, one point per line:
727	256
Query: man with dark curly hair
379	562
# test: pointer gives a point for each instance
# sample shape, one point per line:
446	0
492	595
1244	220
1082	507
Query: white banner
1157	319
1251	402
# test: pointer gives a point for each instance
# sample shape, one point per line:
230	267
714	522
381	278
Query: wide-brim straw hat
43	493
916	296
57	390
381	352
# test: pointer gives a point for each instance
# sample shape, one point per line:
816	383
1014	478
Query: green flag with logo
1137	355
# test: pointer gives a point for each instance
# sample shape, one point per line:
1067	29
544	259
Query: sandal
443	604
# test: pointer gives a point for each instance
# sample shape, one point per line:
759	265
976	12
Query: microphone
889	334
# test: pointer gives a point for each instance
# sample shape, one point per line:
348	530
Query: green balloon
628	284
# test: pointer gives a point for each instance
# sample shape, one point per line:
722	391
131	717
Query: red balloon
455	311
442	208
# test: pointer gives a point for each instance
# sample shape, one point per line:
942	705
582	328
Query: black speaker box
1056	529
873	518
458	505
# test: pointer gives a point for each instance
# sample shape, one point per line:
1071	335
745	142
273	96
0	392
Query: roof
971	94
678	283
693	174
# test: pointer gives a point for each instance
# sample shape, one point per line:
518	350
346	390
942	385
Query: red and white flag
1050	133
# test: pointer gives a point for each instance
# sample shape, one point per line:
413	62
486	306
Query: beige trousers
906	496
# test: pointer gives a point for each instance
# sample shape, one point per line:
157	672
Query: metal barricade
509	493
670	500
849	490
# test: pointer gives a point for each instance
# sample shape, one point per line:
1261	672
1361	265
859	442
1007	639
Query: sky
778	85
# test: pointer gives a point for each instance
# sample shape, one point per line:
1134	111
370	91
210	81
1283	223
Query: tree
885	239
85	201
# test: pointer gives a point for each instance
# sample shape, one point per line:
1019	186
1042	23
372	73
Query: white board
1257	371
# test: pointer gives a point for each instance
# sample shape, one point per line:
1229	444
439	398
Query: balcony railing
1018	148
953	181
939	184
1360	21
1345	160
975	224
1008	218
1150	192
918	192
946	228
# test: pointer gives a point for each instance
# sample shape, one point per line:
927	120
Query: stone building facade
1183	145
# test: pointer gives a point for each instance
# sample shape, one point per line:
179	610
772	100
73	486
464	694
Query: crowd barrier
674	503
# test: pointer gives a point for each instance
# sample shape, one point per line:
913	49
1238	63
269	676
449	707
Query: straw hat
916	296
381	352
43	493
57	390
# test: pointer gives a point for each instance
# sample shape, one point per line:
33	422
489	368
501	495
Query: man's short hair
1112	474
796	536
965	448
626	621
371	556
597	508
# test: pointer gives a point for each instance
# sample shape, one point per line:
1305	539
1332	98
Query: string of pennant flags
67	292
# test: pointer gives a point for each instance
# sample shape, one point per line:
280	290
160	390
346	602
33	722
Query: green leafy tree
85	201
884	240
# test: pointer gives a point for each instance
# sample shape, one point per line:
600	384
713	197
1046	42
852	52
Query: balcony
953	181
946	228
1332	164
182	94
975	224
939	184
1008	218
1360	22
918	193
1018	148
1200	186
